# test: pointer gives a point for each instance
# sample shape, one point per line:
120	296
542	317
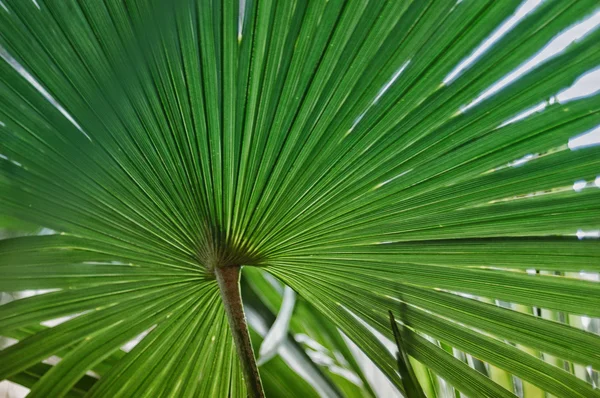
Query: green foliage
412	388
163	140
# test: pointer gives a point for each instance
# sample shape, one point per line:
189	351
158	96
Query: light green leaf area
327	144
184	316
278	378
325	339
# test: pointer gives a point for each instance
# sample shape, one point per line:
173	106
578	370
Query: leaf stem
228	279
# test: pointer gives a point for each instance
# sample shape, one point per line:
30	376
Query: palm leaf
320	337
347	148
409	379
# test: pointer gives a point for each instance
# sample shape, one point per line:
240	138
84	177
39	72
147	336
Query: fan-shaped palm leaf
340	146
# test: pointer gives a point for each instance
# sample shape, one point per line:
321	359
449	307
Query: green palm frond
345	148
